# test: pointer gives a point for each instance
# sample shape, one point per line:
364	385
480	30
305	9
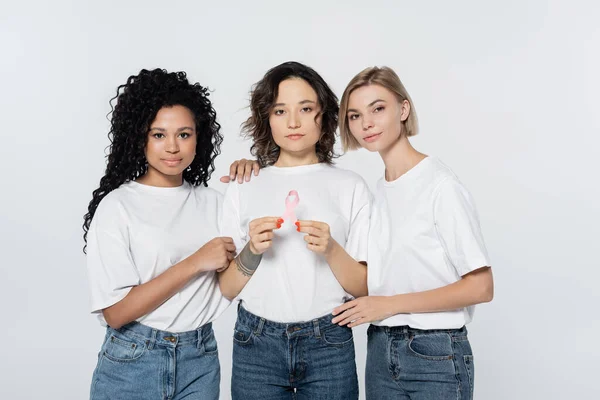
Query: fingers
240	170
274	222
315	224
314	228
315	241
265	227
233	170
248	170
347	317
357	322
347	305
317	236
261	233
230	255
226	242
263	237
261	247
230	247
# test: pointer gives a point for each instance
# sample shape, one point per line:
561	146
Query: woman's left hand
363	310
317	236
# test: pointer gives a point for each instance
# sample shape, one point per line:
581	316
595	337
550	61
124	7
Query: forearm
351	274
147	297
233	279
474	288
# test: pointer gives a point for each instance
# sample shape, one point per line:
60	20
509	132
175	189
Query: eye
185	135
353	117
158	135
378	109
306	109
278	112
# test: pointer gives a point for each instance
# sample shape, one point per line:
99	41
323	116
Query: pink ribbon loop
291	201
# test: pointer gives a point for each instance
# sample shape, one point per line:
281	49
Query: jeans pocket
209	343
337	335
431	346
242	335
122	348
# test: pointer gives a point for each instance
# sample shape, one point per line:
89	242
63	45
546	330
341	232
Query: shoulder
208	194
346	176
438	172
448	187
113	202
111	215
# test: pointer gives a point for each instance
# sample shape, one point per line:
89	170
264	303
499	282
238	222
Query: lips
172	161
295	136
372	137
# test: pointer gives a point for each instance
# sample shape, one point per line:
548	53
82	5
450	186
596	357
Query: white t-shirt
137	233
424	235
292	283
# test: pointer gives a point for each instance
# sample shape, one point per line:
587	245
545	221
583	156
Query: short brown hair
263	97
387	78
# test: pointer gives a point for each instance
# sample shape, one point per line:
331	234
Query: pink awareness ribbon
291	201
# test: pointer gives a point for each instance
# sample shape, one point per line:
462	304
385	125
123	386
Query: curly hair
263	97
137	103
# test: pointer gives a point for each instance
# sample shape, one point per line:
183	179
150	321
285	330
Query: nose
172	146
367	123
293	121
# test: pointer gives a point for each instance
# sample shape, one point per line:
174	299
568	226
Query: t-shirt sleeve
111	269
458	227
230	225
356	244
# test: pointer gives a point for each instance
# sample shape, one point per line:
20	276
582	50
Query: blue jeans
305	360
407	363
138	362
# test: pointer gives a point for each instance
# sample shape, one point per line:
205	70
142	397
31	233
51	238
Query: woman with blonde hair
428	265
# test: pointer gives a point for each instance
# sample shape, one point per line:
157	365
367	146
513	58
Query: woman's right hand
215	254
242	170
261	233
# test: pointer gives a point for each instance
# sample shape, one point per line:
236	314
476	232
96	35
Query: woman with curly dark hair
151	234
285	345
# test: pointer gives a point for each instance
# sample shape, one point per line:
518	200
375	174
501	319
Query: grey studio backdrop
507	95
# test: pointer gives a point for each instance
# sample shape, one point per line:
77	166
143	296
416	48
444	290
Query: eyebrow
178	130
369	105
302	102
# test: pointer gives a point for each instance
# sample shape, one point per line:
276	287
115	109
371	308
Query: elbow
488	295
487	292
228	296
480	285
112	320
360	292
227	292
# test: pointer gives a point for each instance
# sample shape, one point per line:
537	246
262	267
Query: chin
298	148
371	147
171	172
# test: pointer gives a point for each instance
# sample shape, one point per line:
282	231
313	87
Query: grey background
507	95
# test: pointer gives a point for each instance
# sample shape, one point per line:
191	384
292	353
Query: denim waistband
407	330
261	325
164	338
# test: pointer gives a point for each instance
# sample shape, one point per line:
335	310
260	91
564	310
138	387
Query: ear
404	110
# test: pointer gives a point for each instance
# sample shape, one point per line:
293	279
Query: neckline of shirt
159	189
300	169
409	175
